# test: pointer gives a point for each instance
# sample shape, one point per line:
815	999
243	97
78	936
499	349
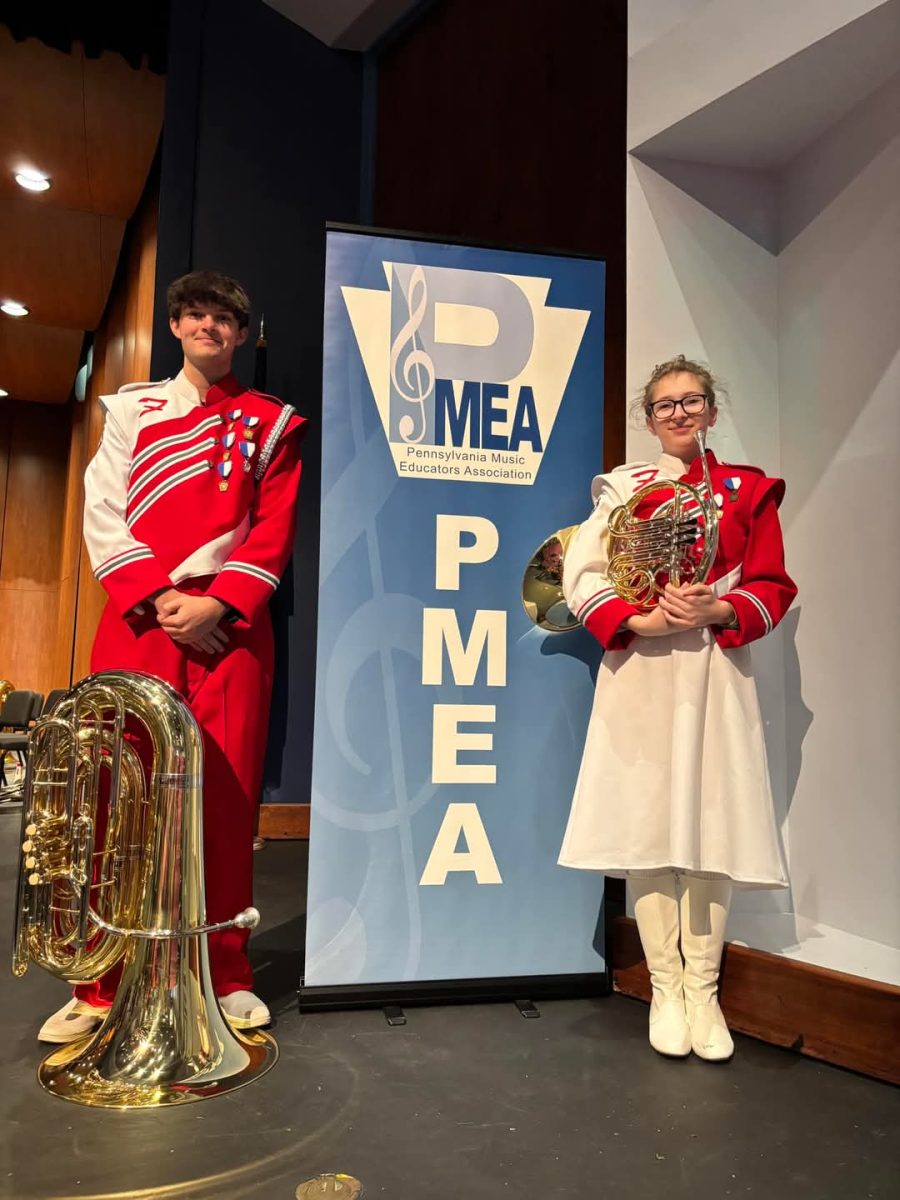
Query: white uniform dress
674	774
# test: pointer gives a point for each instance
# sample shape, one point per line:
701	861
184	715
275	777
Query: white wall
839	322
782	270
717	46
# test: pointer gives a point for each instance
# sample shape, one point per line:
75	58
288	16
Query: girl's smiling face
678	408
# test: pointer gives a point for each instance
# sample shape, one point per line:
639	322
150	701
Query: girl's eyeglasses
691	405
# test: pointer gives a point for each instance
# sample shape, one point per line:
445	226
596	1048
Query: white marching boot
655	903
244	1010
704	912
76	1019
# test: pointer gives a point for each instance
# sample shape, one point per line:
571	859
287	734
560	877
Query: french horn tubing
676	542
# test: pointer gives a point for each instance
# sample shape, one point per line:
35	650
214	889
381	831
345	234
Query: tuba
676	543
5	688
101	884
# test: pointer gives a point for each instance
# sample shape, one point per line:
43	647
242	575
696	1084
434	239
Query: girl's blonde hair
640	406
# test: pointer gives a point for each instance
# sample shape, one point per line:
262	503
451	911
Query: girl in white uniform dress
673	791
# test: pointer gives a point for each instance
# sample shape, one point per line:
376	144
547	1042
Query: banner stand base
453	991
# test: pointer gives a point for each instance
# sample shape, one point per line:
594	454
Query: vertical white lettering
440	627
478	856
450	553
448	741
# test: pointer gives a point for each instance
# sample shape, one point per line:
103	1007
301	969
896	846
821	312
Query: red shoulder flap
266	396
762	487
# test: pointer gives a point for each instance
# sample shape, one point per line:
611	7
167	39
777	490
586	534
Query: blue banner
462	422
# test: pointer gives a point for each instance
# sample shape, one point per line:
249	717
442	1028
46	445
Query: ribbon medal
247	449
733	483
234	414
228	440
224	470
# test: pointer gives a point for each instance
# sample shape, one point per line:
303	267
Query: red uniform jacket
749	564
183	488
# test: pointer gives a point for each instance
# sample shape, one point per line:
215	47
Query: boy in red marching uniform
190	509
674	792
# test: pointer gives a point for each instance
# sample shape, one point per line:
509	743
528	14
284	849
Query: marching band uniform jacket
750	557
182	488
674	773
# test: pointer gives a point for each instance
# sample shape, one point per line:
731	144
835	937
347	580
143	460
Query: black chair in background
19	709
53	696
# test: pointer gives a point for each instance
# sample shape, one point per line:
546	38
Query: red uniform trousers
229	695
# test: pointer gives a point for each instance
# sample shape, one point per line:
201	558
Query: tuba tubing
123	880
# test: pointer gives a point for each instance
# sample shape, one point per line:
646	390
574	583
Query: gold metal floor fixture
342	1187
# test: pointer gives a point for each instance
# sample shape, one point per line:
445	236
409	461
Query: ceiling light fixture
13	308
3	392
32	181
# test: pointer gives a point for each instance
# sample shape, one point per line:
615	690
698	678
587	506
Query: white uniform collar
183	387
669	465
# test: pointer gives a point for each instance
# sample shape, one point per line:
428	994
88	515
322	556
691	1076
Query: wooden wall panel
57	261
92	123
121	355
505	122
6	409
37	447
37	362
838	1018
50	602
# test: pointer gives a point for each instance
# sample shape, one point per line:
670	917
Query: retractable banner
462	423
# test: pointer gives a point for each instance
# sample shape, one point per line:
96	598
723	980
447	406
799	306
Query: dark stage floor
470	1102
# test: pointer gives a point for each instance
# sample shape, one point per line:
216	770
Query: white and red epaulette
139	387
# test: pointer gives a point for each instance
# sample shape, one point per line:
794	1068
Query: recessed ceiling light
33	181
13	308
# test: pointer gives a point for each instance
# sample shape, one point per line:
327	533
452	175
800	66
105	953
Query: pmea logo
468	369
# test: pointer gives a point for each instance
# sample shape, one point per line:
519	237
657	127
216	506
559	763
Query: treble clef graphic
418	370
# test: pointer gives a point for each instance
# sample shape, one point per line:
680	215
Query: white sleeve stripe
593	604
603	592
166	486
122	553
272	440
763	611
251	569
169	460
174	440
122	560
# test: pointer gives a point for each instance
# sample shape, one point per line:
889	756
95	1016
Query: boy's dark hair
209	287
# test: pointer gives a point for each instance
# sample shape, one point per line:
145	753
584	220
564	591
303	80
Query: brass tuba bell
99	883
676	542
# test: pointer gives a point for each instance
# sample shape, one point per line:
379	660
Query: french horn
122	881
667	532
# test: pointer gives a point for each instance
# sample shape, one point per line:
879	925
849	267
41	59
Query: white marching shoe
704	912
74	1020
710	1038
244	1010
656	911
669	1031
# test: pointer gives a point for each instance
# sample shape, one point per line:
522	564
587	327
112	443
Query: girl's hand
694	606
651	624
